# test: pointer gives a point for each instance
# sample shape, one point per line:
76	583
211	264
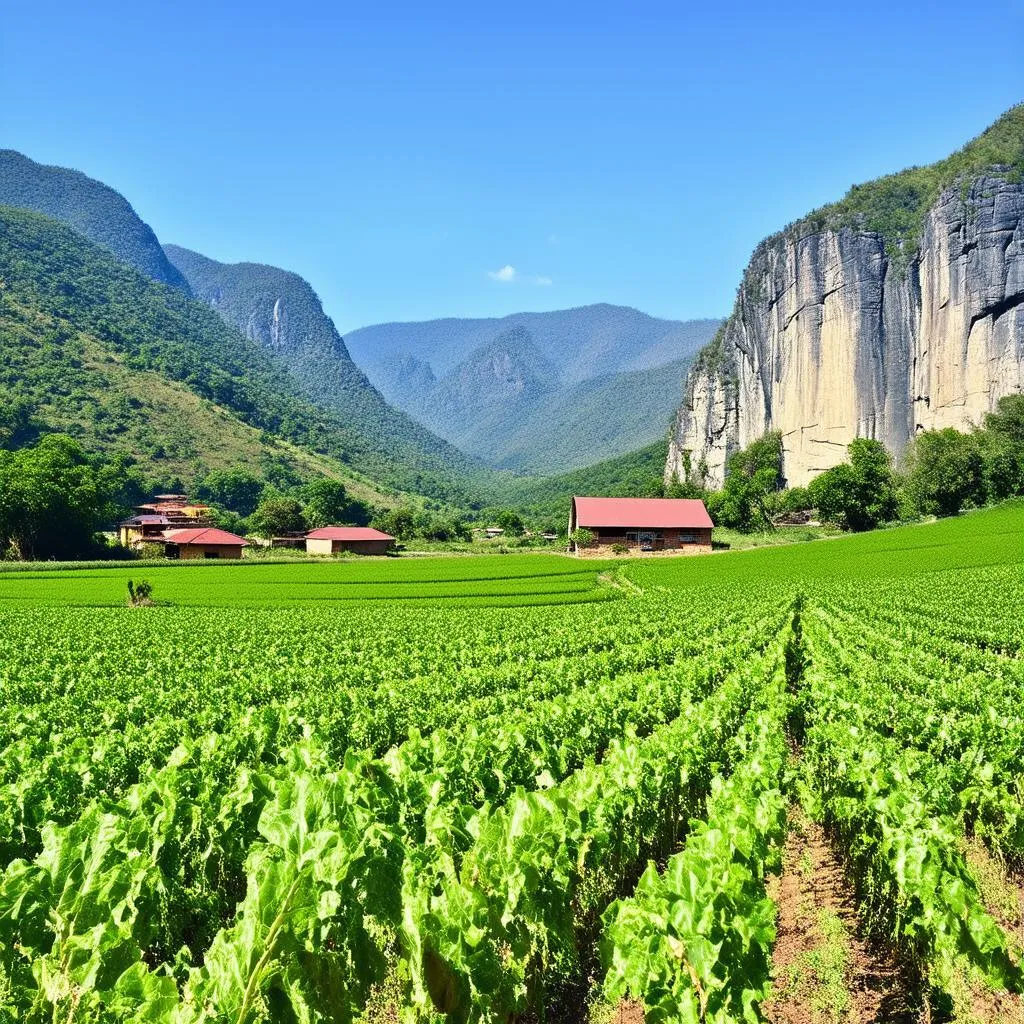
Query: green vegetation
536	393
374	786
859	494
894	206
54	498
92	348
93	209
636	475
282	313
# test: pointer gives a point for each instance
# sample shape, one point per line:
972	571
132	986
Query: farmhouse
165	512
644	525
202	542
362	540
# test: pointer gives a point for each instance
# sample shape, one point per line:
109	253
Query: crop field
782	785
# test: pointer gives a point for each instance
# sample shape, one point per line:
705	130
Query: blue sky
424	160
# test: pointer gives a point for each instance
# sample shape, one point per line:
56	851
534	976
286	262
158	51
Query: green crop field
519	788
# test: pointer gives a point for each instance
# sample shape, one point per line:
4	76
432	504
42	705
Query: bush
618	548
861	493
581	538
946	472
140	594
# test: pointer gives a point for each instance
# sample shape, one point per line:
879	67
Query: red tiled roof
642	513
348	533
205	535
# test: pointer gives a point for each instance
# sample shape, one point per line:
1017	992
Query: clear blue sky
400	155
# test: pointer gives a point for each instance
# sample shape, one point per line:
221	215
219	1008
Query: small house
203	542
143	529
361	540
642	525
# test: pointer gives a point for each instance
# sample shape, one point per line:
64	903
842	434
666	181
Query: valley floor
780	785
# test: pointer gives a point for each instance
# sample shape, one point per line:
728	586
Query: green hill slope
93	209
280	311
92	347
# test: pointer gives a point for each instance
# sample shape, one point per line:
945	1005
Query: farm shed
362	540
644	525
205	542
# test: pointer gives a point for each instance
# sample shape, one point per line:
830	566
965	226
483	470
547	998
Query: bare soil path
823	971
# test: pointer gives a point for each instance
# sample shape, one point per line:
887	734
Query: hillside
91	347
634	474
280	312
898	309
93	209
536	392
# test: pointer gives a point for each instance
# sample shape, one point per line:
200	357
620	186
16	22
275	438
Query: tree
327	503
54	498
1002	449
276	516
399	522
235	489
510	521
946	471
753	477
861	493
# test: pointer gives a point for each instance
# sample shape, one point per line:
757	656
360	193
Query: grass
819	975
514	580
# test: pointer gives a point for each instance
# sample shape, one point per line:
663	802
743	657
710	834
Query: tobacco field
513	789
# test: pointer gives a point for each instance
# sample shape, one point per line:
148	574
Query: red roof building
363	540
203	542
642	525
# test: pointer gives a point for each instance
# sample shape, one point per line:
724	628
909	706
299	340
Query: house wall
191	551
675	542
336	547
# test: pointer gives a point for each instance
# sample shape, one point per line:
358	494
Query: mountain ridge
592	354
92	208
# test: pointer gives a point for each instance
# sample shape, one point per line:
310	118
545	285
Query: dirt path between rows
823	971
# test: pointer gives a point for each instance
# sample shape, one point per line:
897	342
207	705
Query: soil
628	1012
812	884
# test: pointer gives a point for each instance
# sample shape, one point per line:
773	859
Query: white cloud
505	275
542	281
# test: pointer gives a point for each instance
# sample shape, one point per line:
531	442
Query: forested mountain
536	392
91	347
896	310
280	311
90	207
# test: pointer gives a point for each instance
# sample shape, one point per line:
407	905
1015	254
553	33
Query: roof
147	521
204	535
347	533
643	513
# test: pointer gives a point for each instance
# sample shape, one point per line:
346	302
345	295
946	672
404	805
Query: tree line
941	473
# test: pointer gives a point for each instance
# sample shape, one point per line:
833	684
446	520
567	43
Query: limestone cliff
842	329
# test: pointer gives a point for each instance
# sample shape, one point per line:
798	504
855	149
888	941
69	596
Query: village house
202	542
165	512
361	540
643	525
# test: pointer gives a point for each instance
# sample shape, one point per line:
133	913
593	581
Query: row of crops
309	814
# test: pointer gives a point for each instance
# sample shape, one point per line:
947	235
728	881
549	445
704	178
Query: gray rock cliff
836	334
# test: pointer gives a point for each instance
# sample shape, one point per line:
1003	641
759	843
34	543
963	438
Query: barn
203	542
643	525
361	540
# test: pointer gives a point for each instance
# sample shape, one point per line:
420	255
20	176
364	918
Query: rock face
835	336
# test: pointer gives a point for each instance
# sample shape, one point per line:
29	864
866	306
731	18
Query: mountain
280	311
635	474
536	392
91	347
898	309
90	207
